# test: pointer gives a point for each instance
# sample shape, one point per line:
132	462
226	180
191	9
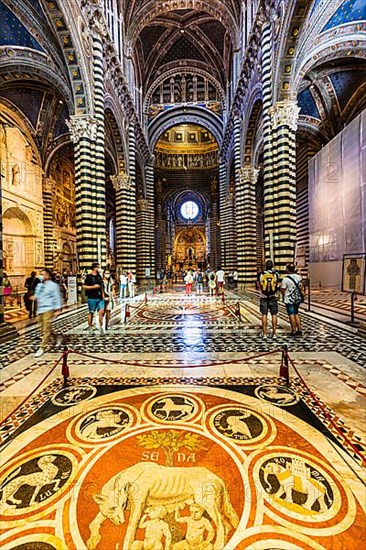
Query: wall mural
190	246
21	200
192	467
63	199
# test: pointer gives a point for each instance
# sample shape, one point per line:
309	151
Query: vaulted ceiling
194	33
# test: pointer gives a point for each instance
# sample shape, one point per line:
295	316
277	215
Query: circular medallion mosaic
34	481
103	424
73	395
241	425
172	407
278	395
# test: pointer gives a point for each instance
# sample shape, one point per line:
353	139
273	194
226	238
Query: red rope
348	441
32	392
212	364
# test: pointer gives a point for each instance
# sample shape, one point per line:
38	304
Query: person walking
122	286
93	286
49	303
291	290
109	296
188	279
131	284
268	282
31	285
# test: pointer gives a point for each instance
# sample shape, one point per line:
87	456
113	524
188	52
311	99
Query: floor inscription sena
176	467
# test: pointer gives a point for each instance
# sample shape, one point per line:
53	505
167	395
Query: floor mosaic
212	465
177	431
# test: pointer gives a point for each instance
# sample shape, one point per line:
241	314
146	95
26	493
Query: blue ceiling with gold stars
307	104
350	10
13	32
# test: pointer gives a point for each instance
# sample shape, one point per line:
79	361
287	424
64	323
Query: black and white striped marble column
98	150
83	130
125	234
284	116
268	156
246	212
223	211
49	242
145	223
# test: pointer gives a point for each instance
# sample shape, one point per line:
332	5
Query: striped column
268	160
83	130
49	241
98	150
246	213
224	235
142	237
125	235
214	228
284	116
145	235
1	253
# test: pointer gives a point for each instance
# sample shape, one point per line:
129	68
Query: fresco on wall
63	199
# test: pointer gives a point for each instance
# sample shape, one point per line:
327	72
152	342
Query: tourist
220	280
7	287
122	285
267	282
235	278
188	279
199	282
48	297
30	284
212	284
291	290
109	296
131	279
93	286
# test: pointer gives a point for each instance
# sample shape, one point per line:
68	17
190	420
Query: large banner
337	198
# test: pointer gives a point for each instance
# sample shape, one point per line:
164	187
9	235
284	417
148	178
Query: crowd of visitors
46	293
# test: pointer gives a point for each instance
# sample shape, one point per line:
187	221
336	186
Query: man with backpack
268	282
291	290
199	282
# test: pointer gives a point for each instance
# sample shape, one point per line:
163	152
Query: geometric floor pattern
176	431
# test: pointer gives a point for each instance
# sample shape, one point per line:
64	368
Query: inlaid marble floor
177	430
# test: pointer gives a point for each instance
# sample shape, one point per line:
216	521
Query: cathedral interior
159	138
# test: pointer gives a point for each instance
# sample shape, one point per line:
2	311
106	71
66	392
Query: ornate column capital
48	185
285	113
143	205
248	173
121	181
82	126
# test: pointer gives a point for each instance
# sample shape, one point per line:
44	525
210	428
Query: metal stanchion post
65	371
353	299
309	294
284	368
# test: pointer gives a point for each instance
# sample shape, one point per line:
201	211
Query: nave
181	415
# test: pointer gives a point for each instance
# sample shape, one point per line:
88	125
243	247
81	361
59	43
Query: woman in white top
131	284
188	279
